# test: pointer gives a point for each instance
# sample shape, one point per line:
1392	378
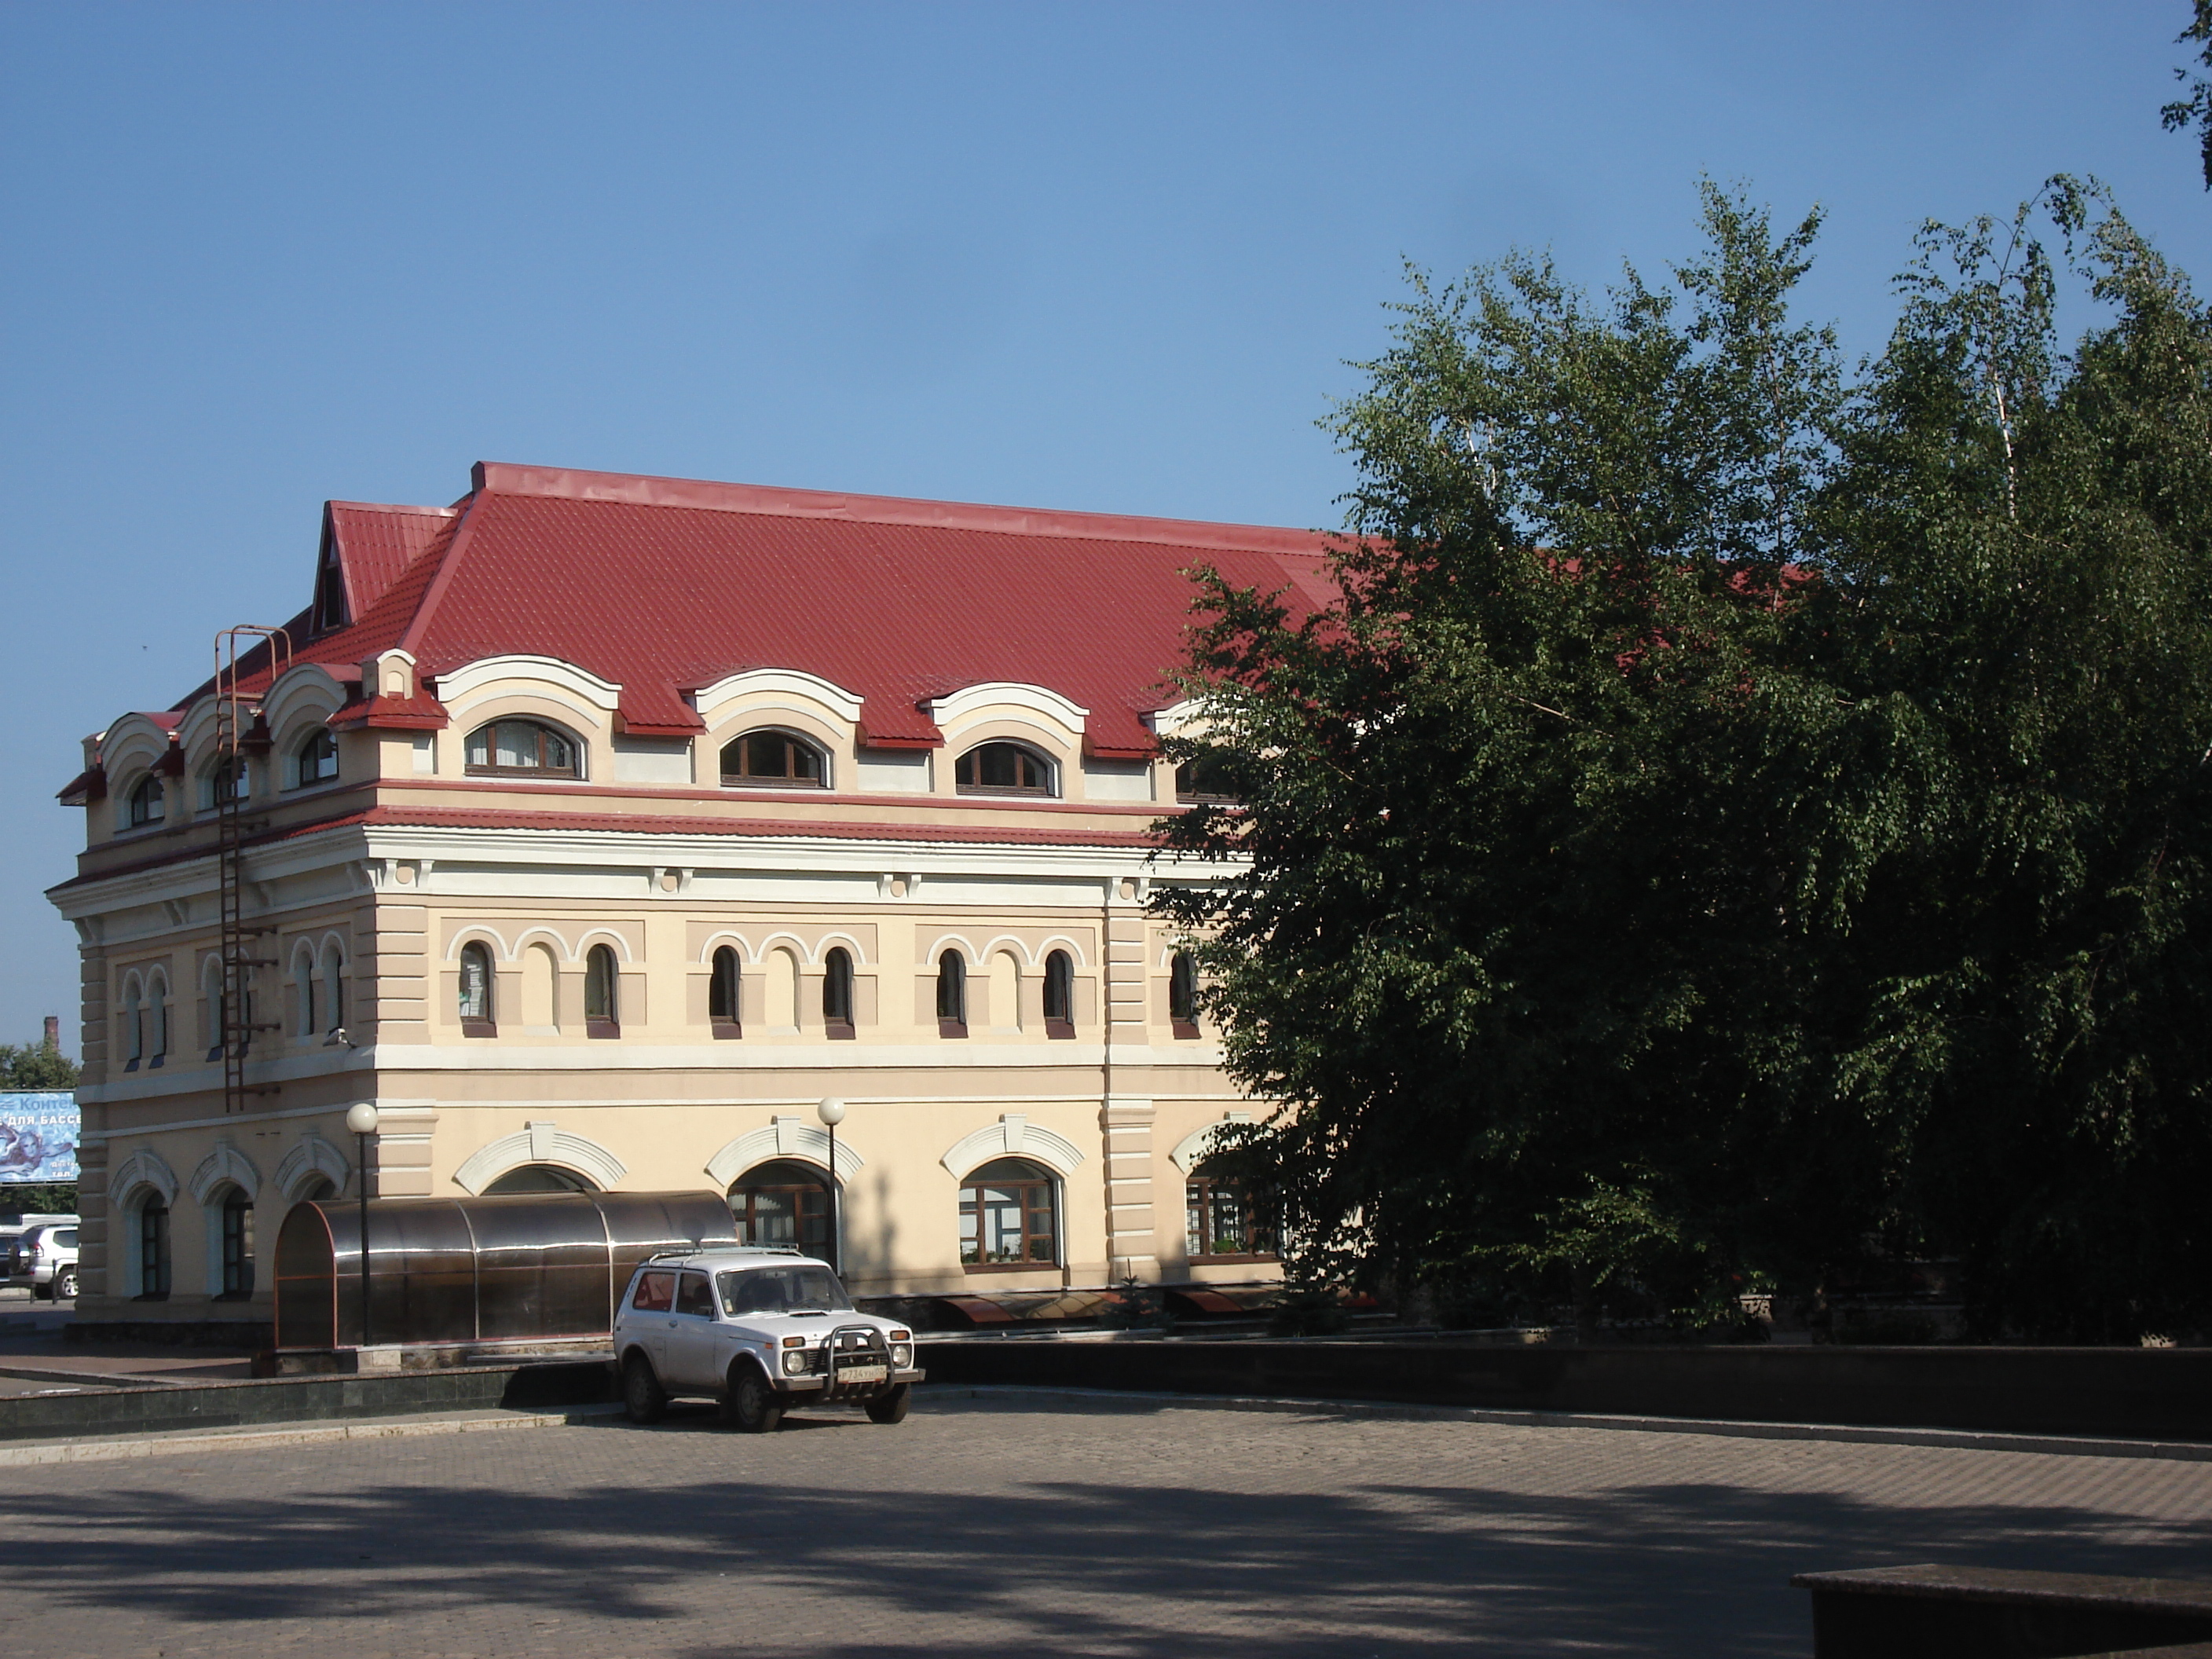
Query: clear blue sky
1103	256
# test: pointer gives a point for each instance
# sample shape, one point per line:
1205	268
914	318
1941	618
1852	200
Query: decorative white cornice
540	1142
786	1137
144	1168
311	1157
806	692
515	675
1198	1142
990	697
226	1164
1012	1136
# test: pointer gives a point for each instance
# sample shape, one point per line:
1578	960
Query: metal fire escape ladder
238	718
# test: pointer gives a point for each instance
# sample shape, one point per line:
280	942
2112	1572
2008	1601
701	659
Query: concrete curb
1953	1439
222	1440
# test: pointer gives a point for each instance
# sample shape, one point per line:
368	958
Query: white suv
44	1257
761	1330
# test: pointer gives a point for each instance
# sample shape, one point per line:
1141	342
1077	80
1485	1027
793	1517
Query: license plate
863	1374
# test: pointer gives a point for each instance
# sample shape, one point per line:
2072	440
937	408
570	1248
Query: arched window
237	1237
157	1019
220	785
319	758
211	991
786	1202
333	989
522	749
1059	995
154	1249
1182	994
134	1025
723	996
602	993
776	759
303	988
1007	1216
1220	1220
1002	768
539	1178
837	992
951	995
477	1010
146	803
318	1186
1203	779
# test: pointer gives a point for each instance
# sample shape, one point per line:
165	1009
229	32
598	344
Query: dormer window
776	759
1002	768
222	784
1203	779
146	803
521	749
319	758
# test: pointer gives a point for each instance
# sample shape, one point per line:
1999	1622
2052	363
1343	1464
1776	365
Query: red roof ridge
397	506
640	490
449	561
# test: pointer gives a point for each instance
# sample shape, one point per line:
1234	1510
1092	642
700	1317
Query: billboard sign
38	1135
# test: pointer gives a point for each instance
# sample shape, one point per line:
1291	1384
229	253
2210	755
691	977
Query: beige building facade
567	915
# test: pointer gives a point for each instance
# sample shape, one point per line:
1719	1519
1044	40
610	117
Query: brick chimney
54	1034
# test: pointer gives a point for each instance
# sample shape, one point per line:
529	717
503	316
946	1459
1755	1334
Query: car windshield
783	1290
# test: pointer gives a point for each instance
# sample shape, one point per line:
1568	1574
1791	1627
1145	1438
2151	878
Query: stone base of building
255	1333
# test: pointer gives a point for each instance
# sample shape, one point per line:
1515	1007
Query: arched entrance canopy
533	1266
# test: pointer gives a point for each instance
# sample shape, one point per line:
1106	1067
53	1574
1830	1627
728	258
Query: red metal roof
665	586
374	546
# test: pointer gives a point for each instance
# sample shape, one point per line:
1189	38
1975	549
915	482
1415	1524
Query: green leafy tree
2195	109
1712	770
35	1066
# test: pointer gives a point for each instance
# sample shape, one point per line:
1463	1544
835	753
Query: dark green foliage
2195	109
21	1197
35	1066
1739	820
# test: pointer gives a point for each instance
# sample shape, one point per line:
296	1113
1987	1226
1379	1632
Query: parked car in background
44	1257
14	1224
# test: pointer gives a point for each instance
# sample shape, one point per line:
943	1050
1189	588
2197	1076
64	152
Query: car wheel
65	1285
890	1408
643	1397
750	1403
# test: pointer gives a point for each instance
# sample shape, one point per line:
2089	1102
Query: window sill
1183	1028
729	782
725	1030
1059	1031
603	1028
479	1028
839	1030
542	772
1013	793
952	1028
1010	1266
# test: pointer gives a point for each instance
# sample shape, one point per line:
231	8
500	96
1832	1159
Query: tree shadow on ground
1061	1566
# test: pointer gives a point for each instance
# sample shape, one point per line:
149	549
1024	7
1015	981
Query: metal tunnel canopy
526	1266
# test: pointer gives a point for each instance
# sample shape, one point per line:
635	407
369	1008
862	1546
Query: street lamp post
362	1120
832	1113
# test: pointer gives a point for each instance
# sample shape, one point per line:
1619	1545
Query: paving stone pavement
987	1527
